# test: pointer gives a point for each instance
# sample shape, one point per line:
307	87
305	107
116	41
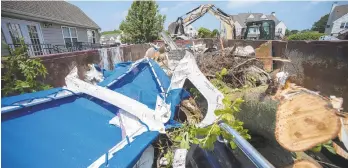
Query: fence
46	49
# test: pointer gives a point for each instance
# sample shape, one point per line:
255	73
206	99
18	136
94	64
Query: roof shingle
339	11
59	11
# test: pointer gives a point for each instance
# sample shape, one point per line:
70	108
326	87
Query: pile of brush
243	67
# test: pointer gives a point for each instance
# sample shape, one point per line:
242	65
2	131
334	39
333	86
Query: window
35	40
346	25
69	35
327	26
279	30
342	25
91	36
15	32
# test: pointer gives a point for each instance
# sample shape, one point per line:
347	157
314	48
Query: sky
297	15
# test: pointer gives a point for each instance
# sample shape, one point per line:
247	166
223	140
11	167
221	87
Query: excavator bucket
175	28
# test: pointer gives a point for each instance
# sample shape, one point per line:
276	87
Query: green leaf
235	109
226	102
184	144
195	141
223	72
178	138
316	148
227	117
233	145
330	148
215	130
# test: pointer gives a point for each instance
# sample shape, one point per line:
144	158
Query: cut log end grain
304	121
305	164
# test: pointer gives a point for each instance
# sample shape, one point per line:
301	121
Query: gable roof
241	18
339	11
60	12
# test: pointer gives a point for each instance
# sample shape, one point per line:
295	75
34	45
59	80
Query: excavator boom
178	28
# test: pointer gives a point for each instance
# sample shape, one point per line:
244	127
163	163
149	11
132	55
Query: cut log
305	164
304	119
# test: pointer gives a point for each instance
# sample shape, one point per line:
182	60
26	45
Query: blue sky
295	14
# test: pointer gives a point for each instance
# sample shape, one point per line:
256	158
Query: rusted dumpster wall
134	52
318	65
59	65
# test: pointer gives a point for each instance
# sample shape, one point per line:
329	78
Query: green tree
294	31
143	23
204	33
287	32
111	32
215	33
308	35
320	24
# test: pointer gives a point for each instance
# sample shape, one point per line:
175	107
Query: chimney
333	6
273	13
328	27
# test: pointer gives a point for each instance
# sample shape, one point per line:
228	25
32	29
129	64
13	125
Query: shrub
305	36
204	33
22	73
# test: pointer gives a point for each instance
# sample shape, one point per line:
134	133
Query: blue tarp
75	131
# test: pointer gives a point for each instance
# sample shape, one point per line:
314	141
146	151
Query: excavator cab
260	30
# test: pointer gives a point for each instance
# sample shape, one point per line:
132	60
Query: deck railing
45	49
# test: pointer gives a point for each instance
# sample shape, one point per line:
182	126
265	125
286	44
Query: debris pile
244	69
303	119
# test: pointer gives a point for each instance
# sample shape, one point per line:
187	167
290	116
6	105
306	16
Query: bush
204	33
305	36
22	73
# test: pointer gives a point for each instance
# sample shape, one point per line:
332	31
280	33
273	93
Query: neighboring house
110	39
191	31
46	26
242	18
338	20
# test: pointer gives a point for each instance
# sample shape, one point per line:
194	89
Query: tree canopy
308	35
111	32
320	24
206	33
143	22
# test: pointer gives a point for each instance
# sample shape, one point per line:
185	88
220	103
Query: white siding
337	23
238	28
52	34
282	26
82	35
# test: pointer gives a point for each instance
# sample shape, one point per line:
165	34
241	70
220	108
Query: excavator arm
178	28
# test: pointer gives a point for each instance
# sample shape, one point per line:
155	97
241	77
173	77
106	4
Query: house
337	23
110	39
46	26
191	31
242	18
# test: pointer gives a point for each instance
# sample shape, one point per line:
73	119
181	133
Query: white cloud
163	10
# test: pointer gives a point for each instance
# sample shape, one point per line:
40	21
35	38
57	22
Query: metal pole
248	150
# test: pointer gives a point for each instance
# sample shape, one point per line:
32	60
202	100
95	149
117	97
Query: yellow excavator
177	29
265	28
